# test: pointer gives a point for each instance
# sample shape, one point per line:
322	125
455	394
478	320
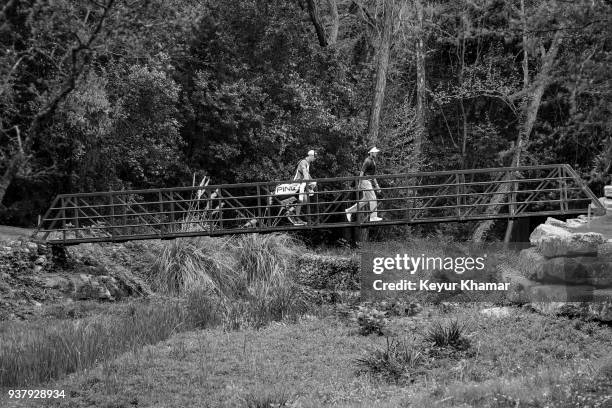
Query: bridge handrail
318	180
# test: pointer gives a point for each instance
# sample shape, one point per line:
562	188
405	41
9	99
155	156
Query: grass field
233	329
524	360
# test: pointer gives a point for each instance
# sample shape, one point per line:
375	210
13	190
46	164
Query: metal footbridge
410	198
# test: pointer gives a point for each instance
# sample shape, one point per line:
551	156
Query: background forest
119	94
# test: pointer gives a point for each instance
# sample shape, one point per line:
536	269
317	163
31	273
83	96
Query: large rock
577	271
530	263
596	210
604	251
585	243
553	241
567	225
546	230
576	223
556	223
519	285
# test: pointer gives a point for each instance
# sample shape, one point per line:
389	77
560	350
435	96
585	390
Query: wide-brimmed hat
374	150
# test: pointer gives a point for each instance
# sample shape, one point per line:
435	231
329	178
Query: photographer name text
428	286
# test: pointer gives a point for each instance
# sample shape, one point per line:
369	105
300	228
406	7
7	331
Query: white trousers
369	198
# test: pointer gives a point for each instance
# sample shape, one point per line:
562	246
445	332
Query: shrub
400	307
370	321
265	257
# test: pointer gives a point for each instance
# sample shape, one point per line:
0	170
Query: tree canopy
118	94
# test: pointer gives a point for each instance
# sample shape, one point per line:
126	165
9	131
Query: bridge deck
411	198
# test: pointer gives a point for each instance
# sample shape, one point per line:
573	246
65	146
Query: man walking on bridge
365	185
303	174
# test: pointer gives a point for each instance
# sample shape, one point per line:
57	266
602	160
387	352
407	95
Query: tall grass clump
266	398
269	257
241	280
33	354
399	361
267	264
187	263
450	335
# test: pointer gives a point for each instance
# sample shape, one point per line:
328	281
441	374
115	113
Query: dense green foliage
117	94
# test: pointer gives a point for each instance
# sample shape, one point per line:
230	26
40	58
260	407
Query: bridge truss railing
424	197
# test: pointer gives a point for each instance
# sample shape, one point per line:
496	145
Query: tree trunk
530	108
333	11
313	12
510	225
381	73
421	93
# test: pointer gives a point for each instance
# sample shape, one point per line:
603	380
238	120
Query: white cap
374	150
311	152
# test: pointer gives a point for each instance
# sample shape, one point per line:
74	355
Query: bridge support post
362	235
59	254
356	235
519	230
509	229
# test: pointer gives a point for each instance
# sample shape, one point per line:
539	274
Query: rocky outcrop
604	251
568	225
555	241
569	272
550	222
531	261
577	271
30	277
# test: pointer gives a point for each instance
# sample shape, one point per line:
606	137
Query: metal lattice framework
411	198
